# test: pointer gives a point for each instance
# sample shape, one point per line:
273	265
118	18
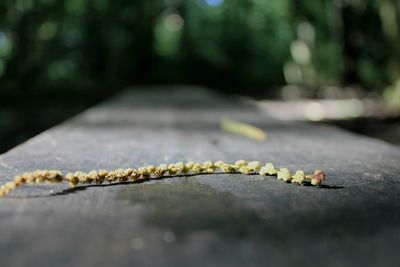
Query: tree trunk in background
351	35
389	14
390	20
145	53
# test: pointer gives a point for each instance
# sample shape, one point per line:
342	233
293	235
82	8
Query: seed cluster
162	170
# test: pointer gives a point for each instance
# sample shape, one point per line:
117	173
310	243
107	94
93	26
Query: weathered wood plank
206	220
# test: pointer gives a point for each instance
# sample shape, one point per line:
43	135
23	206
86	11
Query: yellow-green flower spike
146	172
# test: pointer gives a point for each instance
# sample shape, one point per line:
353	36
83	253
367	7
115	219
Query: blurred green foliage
98	46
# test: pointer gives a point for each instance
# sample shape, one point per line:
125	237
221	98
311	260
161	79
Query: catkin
147	172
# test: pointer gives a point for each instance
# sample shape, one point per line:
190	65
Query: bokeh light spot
306	32
300	52
5	45
174	22
167	34
314	111
292	73
61	69
214	2
47	31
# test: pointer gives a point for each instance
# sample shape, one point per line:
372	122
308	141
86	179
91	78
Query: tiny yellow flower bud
245	170
240	163
102	173
163	167
315	181
30	178
228	168
219	163
5	190
110	177
180	167
254	165
134	175
209	170
263	171
197	168
39	176
93	175
298	177
318	177
270	169
171	165
128	172
208	164
99	180
73	180
143	172
11	185
80	176
56	176
158	173
284	174
172	171
121	175
189	166
151	169
19	180
160	170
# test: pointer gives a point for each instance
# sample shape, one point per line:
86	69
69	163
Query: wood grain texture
205	220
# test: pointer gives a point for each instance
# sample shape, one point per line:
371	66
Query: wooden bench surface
204	220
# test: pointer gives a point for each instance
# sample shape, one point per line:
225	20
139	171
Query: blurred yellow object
244	129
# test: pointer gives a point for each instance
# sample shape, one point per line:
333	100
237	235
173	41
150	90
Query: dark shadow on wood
325	186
